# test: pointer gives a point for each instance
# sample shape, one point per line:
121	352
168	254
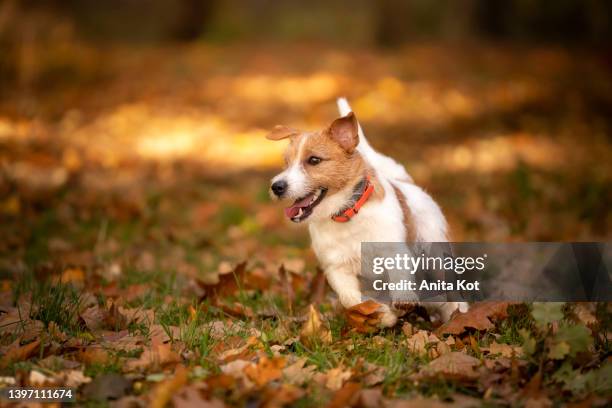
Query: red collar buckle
349	213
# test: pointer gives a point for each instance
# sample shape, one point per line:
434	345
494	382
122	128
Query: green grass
50	302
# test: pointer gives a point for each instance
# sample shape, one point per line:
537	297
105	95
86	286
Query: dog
349	193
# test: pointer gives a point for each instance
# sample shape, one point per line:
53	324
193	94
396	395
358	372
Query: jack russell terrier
350	193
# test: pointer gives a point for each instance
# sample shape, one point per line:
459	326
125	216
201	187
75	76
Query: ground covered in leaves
143	263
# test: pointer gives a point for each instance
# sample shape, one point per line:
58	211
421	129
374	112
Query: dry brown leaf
115	320
138	315
298	373
314	330
15	352
458	401
155	357
266	370
442	348
190	396
346	396
75	276
111	317
38	379
93	355
162	334
370	398
375	375
408	329
336	377
418	342
452	366
73	378
477	317
163	392
227	284
364	317
11	319
241	352
505	350
585	313
278	397
231	373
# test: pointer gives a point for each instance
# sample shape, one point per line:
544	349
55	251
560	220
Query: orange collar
346	215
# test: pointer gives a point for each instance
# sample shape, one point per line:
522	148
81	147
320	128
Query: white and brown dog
350	193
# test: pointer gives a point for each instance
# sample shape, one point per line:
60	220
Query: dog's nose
279	187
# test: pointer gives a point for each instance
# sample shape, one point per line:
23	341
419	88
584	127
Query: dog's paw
387	318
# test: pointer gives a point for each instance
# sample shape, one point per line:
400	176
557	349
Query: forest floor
143	263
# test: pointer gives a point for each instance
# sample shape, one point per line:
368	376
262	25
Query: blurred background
132	131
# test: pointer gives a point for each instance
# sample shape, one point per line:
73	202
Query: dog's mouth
302	207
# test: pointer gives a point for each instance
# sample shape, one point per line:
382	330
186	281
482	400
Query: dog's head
318	166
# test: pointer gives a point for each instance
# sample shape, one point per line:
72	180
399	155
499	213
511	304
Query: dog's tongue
292	211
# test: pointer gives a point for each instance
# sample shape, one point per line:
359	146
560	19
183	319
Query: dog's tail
383	164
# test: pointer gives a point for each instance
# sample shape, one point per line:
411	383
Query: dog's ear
344	131
281	132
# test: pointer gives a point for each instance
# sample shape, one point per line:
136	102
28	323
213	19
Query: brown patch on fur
337	169
407	216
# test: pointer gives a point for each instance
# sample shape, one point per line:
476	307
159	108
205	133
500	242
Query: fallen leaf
370	398
570	340
190	396
15	352
442	348
115	320
162	334
278	397
478	317
545	313
107	386
228	281
585	313
313	330
75	276
298	373
408	329
558	350
266	370
163	392
417	343
235	368
336	377
74	378
375	375
346	396
93	355
364	317
156	356
38	379
452	366
505	350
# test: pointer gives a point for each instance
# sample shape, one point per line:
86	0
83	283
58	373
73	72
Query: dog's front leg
346	285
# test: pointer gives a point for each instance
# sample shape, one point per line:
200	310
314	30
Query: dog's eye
314	160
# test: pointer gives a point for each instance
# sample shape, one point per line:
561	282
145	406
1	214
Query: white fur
338	245
295	175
